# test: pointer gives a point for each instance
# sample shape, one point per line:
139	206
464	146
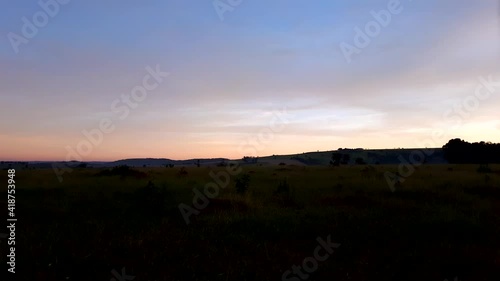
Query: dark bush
283	188
484	168
222	164
242	183
182	172
151	199
122	171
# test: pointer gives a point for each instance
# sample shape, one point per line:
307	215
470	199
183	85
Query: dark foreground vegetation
442	222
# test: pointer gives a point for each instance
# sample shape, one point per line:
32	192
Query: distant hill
152	162
320	158
369	156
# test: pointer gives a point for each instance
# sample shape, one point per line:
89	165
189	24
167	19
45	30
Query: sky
107	80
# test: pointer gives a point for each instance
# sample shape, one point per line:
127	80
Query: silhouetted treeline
457	151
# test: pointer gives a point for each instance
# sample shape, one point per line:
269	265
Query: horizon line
195	158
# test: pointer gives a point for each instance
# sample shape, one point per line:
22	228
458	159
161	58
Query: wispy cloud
229	73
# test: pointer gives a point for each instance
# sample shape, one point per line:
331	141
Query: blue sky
229	77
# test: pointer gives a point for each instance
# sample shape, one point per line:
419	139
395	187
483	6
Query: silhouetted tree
457	151
336	158
250	159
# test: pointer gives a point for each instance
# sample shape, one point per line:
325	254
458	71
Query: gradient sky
228	76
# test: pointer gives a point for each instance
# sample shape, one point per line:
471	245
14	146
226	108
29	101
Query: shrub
222	164
283	188
182	172
151	199
242	183
122	171
484	168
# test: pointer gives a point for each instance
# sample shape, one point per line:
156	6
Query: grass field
442	222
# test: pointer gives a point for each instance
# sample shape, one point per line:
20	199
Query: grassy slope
381	156
444	221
